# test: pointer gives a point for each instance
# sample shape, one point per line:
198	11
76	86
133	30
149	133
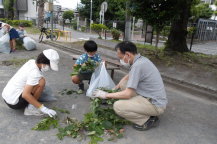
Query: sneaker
153	121
80	91
81	86
31	110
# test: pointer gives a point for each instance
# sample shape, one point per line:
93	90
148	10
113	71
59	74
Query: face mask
45	68
127	65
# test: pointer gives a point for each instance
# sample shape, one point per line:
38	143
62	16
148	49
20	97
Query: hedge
26	23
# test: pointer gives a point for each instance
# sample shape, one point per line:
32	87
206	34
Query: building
26	10
208	1
1	9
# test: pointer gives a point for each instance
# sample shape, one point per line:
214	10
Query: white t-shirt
28	74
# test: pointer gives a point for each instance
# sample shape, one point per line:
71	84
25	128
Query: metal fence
206	30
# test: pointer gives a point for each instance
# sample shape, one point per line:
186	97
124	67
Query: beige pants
137	109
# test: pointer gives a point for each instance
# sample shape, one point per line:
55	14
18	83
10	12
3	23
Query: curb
200	90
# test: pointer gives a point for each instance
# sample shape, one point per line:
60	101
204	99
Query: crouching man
26	86
142	94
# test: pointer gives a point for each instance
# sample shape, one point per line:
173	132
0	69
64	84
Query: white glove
47	111
100	94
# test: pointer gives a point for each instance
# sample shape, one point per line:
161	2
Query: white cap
53	56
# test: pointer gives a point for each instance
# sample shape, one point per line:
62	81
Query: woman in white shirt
25	87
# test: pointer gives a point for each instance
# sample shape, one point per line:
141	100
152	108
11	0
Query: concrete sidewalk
187	120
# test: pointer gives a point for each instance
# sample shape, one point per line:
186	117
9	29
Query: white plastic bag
100	78
47	95
4	44
1	33
29	43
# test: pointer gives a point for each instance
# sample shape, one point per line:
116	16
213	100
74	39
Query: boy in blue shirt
90	48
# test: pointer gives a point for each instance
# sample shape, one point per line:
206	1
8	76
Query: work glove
47	111
100	94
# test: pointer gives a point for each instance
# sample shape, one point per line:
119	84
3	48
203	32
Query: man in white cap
25	88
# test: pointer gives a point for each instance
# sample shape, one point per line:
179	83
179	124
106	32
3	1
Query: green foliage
83	28
115	34
95	123
46	124
201	10
191	30
98	28
74	25
116	9
9	7
26	23
68	15
88	67
166	30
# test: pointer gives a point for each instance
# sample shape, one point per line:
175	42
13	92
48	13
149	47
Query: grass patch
188	59
14	62
32	30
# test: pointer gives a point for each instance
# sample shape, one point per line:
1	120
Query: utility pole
127	24
91	13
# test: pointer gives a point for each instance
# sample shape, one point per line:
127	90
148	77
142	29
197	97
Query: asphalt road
187	120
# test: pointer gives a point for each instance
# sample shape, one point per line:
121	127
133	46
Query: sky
68	3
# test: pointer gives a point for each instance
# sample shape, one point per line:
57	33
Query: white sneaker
31	110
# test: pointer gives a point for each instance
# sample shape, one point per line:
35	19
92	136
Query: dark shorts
85	76
22	103
13	34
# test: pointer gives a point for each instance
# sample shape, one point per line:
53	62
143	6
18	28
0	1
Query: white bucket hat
53	56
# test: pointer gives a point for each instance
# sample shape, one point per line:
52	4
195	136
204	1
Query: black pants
22	103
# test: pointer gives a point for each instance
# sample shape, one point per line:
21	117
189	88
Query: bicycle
47	33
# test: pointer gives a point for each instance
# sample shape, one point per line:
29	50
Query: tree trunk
41	13
157	38
177	37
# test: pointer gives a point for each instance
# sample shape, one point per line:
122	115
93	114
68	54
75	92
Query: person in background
142	96
13	36
90	48
22	32
25	88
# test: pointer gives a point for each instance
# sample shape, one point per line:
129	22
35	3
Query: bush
83	28
98	28
115	34
74	25
26	23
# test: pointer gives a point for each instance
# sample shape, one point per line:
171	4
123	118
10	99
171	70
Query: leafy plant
96	123
98	29
88	67
46	124
115	34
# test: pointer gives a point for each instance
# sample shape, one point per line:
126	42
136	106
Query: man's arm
125	94
27	95
126	77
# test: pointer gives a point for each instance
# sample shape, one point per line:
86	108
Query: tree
176	12
98	29
201	10
40	5
157	13
68	15
9	8
115	12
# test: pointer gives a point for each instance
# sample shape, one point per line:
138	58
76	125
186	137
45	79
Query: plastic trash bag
4	44
47	95
100	78
1	33
29	43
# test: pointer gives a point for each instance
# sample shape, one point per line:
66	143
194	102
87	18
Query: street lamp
91	2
